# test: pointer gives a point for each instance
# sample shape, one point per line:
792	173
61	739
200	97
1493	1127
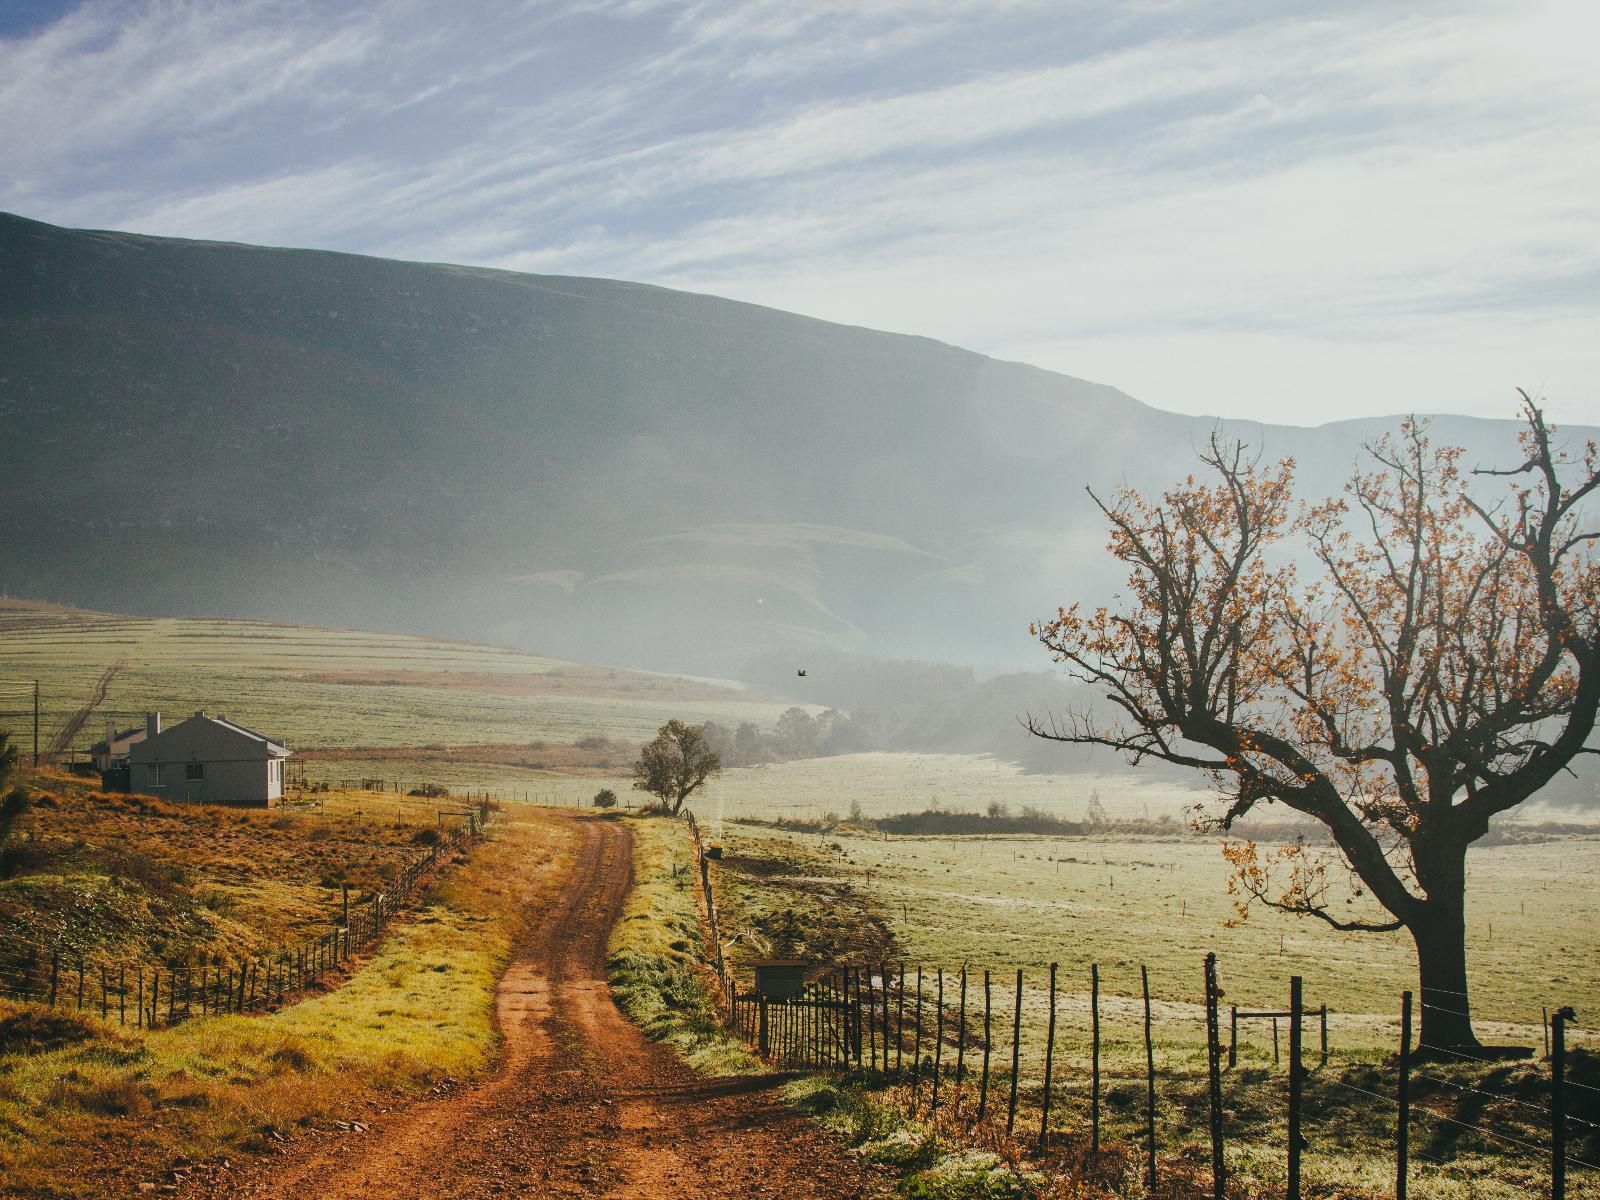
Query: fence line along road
148	994
920	1027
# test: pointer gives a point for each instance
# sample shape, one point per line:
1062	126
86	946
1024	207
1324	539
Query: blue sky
1291	212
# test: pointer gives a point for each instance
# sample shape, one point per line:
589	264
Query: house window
194	771
274	771
158	775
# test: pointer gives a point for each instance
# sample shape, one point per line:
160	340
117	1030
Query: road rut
583	1104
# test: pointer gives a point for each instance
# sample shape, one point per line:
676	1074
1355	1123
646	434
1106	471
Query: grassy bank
662	979
419	1010
659	969
133	878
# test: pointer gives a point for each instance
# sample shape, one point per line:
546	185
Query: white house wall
236	767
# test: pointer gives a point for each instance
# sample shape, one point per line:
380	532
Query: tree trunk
1440	933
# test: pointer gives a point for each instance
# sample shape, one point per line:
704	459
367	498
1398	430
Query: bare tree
1440	668
675	764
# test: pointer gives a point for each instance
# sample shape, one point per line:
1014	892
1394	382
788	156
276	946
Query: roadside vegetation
416	1014
660	972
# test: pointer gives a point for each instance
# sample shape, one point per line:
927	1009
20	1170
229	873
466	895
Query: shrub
425	837
33	1029
605	798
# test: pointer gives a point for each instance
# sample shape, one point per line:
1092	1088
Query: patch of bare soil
583	1103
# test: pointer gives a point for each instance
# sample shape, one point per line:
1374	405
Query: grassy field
1124	902
418	1012
337	687
880	784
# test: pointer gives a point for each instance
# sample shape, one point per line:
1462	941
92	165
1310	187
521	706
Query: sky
1291	212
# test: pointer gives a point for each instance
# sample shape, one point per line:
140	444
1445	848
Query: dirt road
582	1104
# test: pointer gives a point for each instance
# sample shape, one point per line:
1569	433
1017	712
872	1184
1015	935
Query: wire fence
961	1048
146	994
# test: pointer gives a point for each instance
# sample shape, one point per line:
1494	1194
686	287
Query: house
207	760
114	750
111	756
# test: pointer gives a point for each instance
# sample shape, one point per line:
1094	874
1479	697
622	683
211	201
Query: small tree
1442	667
605	798
796	733
674	765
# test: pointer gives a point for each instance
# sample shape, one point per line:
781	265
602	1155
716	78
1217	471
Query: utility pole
35	724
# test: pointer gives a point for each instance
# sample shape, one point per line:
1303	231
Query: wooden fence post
883	974
1214	1070
857	973
1233	1036
983	1086
1016	1057
1403	1127
1094	1085
1150	1085
872	1024
900	1019
938	1045
1049	1064
961	1038
1296	1020
916	1044
1558	1102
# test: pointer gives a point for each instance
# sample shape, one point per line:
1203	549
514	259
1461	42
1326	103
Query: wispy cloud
1229	209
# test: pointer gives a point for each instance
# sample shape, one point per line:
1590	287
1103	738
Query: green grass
338	687
658	968
1120	902
1162	902
883	784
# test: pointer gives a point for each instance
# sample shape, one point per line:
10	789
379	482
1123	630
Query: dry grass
657	964
418	1010
139	878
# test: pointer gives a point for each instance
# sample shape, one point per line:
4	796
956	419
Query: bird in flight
801	672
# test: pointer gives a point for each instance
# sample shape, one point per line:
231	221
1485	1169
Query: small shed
780	978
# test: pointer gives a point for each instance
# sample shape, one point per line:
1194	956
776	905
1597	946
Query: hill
598	469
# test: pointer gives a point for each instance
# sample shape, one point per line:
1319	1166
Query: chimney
111	734
152	724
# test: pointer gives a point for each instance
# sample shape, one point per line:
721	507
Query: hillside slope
598	469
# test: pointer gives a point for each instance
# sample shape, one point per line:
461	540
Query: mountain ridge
597	469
